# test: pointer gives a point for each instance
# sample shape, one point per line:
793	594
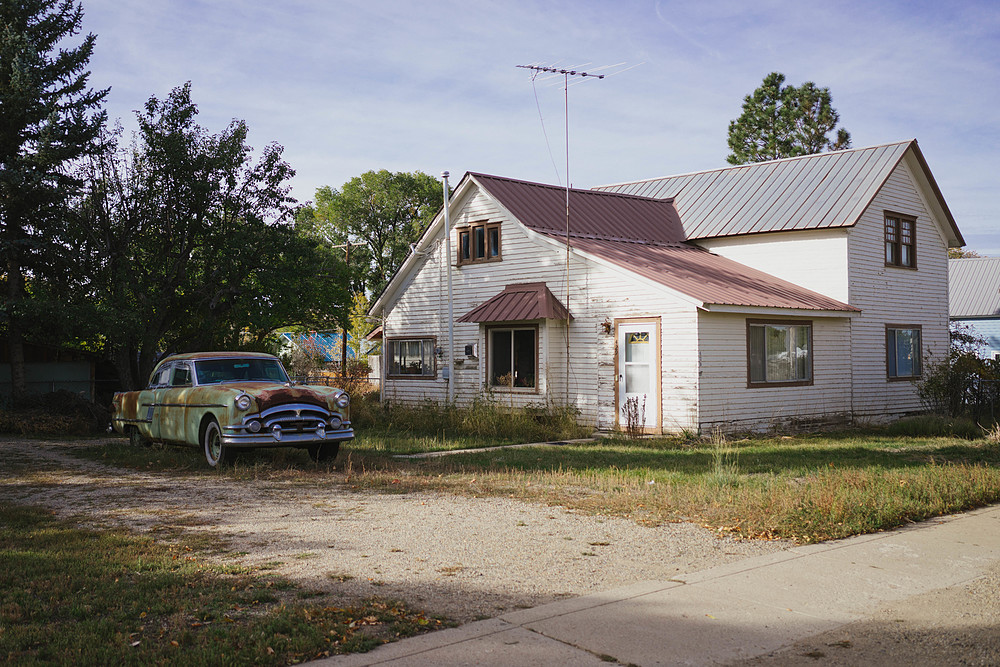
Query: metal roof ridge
752	164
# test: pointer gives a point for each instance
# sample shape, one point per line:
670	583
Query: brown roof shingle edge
519	302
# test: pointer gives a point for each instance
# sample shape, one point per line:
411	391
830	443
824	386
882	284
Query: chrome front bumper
241	438
294	424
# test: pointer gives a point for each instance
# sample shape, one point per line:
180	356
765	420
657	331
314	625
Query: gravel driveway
464	558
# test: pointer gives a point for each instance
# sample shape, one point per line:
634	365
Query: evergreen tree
781	121
48	119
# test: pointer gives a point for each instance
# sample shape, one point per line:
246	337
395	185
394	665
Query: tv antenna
566	73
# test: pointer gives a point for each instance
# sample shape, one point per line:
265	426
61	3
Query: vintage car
227	401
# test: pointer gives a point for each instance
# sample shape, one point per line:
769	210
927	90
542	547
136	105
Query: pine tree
48	119
781	121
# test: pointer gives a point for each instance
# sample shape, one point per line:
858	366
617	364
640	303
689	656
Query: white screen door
637	374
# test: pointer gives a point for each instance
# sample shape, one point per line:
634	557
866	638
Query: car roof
217	355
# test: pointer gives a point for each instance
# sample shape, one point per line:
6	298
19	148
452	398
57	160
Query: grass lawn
805	488
74	596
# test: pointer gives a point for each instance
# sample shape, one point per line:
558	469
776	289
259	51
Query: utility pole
567	73
451	306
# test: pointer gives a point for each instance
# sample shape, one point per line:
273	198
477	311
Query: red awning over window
526	301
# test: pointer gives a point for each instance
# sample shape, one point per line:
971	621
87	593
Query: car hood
269	394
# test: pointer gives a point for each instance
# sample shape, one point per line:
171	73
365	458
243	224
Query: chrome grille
291	417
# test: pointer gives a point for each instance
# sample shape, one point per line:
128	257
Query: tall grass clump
484	419
936	426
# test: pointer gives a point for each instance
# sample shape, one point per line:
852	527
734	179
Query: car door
172	401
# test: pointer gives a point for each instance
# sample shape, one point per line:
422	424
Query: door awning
524	301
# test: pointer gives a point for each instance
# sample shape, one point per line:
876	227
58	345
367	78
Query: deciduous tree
188	243
381	213
780	121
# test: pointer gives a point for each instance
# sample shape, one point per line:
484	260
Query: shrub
56	413
962	383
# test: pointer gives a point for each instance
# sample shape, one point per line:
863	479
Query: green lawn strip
806	488
88	597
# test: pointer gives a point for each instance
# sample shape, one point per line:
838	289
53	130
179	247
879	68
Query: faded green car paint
247	394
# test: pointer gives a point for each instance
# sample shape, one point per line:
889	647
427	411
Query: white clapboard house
795	293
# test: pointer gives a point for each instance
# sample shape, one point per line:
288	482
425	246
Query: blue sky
351	85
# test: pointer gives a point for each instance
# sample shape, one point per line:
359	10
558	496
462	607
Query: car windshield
214	371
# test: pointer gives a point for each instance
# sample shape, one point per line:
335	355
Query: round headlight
343	400
243	401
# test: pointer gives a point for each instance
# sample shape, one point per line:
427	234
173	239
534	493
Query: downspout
451	308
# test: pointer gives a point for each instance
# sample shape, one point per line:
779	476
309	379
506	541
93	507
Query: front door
638	375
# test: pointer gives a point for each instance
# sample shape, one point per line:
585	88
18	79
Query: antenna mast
567	73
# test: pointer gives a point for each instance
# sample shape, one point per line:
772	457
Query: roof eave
779	311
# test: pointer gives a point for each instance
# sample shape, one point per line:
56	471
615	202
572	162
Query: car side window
162	377
181	377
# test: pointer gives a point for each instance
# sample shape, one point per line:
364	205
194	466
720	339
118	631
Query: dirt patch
465	558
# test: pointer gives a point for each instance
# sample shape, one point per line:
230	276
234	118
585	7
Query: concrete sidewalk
734	612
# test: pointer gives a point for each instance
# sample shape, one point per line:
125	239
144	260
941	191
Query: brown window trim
812	352
410	376
898	242
904	378
489	361
486	227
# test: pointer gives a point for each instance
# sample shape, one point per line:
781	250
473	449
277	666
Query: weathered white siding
895	295
598	293
726	401
815	259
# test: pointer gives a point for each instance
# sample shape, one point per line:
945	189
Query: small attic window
479	243
900	240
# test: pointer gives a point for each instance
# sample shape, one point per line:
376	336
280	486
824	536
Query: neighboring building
791	293
49	368
974	299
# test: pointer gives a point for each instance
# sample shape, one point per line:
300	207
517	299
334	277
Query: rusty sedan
227	401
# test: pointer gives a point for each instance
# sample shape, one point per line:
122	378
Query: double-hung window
479	243
900	240
410	357
513	357
779	353
902	347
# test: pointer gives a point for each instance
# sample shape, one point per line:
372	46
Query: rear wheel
324	452
135	438
216	453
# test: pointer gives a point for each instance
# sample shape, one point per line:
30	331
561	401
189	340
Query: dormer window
900	240
479	243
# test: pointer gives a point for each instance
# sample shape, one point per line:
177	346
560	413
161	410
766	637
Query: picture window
779	353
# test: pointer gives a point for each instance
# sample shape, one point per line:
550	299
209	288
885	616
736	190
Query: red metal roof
642	235
593	214
707	277
525	301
